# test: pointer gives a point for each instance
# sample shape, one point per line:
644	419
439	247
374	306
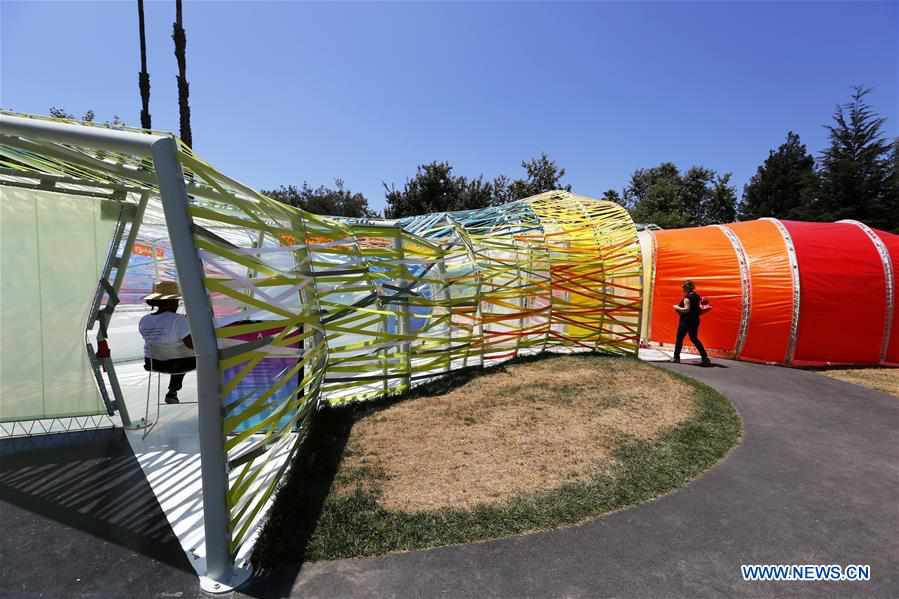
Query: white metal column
221	575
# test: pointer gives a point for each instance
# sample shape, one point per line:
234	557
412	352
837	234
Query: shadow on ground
81	502
92	482
281	549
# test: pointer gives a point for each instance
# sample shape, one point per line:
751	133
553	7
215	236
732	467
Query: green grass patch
308	523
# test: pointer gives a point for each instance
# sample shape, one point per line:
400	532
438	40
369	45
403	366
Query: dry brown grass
879	379
524	428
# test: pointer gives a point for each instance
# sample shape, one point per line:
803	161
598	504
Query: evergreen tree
784	185
892	186
855	168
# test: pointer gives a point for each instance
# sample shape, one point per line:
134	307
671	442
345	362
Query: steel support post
221	576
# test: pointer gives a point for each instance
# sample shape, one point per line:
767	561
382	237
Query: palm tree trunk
180	39
143	78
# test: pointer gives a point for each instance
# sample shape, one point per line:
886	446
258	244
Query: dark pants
176	368
691	328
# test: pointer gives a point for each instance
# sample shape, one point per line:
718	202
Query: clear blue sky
284	92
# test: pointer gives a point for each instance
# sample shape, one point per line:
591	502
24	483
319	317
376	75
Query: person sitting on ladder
168	346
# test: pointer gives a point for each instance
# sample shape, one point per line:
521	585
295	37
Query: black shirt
692	315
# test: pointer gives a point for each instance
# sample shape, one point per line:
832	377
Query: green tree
502	191
721	201
784	186
324	200
663	196
653	195
855	168
88	117
476	193
543	175
434	188
893	182
610	195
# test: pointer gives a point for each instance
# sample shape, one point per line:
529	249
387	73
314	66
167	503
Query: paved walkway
815	480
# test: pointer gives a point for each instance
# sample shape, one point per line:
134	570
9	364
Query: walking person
168	346
690	308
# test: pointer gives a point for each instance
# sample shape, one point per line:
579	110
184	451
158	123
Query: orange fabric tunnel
705	256
771	291
785	292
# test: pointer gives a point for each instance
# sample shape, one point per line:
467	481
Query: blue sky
283	92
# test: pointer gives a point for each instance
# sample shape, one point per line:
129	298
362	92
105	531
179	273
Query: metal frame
797	295
746	288
221	575
47	182
888	273
13	429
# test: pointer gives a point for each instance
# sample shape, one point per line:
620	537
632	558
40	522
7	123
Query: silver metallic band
794	273
888	271
745	286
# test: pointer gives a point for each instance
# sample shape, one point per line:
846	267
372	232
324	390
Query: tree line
434	188
855	177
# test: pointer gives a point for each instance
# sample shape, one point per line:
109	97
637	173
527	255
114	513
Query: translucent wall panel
52	250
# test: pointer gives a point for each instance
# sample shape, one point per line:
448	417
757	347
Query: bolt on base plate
136	425
237	577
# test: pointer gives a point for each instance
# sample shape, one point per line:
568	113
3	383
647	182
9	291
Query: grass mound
642	432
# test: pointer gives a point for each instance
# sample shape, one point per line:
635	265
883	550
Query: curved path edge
814	481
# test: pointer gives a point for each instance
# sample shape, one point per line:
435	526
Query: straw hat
164	290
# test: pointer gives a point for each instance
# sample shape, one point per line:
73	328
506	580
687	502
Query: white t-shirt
165	331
